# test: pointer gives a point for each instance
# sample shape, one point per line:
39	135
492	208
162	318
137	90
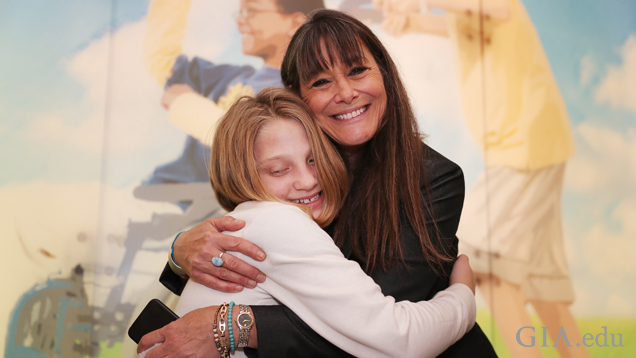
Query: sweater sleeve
196	115
307	273
165	30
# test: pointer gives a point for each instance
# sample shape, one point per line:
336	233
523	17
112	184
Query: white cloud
618	88
84	135
600	227
605	162
120	93
609	253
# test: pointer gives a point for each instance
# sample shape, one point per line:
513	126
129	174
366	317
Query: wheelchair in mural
55	318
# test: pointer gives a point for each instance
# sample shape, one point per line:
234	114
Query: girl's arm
308	274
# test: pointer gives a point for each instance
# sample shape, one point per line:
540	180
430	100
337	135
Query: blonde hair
233	168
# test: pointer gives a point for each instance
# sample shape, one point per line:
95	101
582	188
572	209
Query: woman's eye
311	161
319	83
357	70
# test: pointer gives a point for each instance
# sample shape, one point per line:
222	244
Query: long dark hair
388	177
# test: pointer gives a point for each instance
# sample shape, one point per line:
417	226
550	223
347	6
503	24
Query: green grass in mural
594	326
110	352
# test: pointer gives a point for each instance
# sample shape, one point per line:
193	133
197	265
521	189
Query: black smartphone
154	316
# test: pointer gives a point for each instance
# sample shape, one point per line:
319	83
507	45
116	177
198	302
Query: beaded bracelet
229	327
214	329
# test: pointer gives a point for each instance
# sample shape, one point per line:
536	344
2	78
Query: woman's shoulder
438	166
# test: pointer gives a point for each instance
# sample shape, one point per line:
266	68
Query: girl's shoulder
274	226
271	213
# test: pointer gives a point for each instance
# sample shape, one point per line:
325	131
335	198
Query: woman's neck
352	155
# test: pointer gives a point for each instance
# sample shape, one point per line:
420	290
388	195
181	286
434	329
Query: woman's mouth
307	201
352	114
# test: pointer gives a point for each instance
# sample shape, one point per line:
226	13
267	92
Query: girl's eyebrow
276	157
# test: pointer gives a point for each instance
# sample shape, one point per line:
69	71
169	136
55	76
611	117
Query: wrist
244	327
172	262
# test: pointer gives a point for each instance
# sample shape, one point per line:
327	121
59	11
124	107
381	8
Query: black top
281	333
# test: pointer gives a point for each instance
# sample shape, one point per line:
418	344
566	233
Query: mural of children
198	91
511	225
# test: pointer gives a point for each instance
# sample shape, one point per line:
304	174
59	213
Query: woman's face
286	164
348	102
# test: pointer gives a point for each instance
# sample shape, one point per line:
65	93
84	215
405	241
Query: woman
400	216
287	161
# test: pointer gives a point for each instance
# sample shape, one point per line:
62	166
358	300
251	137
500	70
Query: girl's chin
316	213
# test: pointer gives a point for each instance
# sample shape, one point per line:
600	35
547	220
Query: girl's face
348	102
286	164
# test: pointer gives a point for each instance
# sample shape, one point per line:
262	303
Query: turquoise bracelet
172	249
229	328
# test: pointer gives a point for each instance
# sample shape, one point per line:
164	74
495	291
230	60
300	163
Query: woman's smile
352	114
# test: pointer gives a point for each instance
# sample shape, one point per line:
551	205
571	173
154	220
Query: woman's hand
462	273
195	248
190	336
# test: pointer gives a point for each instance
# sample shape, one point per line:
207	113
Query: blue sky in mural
594	30
41	36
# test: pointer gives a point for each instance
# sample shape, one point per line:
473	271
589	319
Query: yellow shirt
511	101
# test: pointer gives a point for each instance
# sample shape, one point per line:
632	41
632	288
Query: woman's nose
345	91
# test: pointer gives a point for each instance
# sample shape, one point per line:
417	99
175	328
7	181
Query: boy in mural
511	225
197	89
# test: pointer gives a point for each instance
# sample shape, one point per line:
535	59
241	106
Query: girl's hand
195	248
462	273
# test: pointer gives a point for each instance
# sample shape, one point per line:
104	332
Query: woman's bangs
324	48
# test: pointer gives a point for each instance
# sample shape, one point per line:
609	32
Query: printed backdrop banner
534	99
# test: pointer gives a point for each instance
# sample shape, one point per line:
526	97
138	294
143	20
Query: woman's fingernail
261	255
238	288
251	283
261	278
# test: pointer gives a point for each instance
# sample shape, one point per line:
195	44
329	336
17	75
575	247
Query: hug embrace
330	180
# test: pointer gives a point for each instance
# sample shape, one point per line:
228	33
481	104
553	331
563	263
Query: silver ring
217	260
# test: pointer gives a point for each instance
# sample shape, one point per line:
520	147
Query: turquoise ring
218	261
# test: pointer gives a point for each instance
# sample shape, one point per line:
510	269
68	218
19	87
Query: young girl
273	167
